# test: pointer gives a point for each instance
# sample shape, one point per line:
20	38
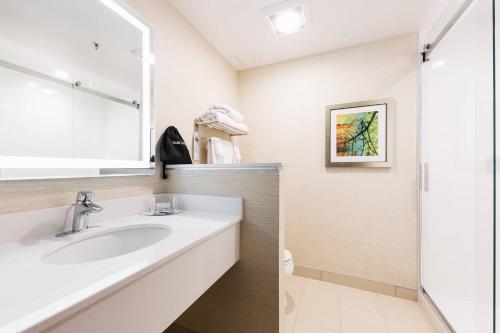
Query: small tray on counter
170	212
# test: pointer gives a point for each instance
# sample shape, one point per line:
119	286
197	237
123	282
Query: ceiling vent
248	59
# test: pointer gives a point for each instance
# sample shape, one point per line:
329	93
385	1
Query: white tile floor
322	307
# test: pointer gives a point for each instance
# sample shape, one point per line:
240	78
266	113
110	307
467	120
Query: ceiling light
288	17
288	21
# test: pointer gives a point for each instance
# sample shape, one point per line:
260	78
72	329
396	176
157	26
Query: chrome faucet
83	207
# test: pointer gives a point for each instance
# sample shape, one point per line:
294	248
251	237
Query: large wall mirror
75	89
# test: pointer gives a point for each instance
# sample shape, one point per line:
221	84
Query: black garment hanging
173	149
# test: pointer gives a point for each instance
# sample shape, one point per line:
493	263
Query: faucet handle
83	196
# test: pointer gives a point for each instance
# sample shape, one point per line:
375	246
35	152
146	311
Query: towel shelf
222	127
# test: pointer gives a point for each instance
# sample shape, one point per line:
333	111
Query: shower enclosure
457	190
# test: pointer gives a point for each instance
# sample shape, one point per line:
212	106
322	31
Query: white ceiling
239	28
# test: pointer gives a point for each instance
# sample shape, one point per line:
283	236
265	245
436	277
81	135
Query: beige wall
357	222
189	75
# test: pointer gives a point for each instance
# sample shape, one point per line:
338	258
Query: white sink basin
109	243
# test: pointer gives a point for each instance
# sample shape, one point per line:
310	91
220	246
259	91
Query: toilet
288	261
289	266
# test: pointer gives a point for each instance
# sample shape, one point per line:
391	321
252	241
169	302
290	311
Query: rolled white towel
210	116
229	111
214	116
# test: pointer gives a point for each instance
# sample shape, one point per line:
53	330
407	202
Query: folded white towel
196	146
229	111
222	152
237	153
214	116
211	158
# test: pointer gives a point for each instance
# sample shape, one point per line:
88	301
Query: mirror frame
107	168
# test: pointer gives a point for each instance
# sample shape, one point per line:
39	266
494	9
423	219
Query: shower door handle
425	177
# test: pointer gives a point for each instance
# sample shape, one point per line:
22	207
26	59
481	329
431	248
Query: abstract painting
357	134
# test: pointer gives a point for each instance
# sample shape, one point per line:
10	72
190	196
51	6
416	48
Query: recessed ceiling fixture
288	16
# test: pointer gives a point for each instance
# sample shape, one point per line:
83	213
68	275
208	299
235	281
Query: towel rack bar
222	127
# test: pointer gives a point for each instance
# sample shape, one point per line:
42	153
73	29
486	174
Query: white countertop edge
247	166
57	311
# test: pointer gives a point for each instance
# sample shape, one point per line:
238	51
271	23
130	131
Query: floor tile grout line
316	324
342	304
383	314
340	313
359	308
299	301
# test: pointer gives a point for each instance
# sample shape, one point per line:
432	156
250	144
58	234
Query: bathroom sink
109	243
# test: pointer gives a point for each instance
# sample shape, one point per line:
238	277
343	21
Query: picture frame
360	134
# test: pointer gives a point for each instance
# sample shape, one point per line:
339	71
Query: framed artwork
359	134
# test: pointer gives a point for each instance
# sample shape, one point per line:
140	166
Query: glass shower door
457	151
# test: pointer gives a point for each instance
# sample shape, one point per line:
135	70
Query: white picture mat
382	134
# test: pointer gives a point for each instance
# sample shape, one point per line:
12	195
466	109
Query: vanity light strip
77	85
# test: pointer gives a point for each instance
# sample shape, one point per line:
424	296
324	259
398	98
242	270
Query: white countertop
33	291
